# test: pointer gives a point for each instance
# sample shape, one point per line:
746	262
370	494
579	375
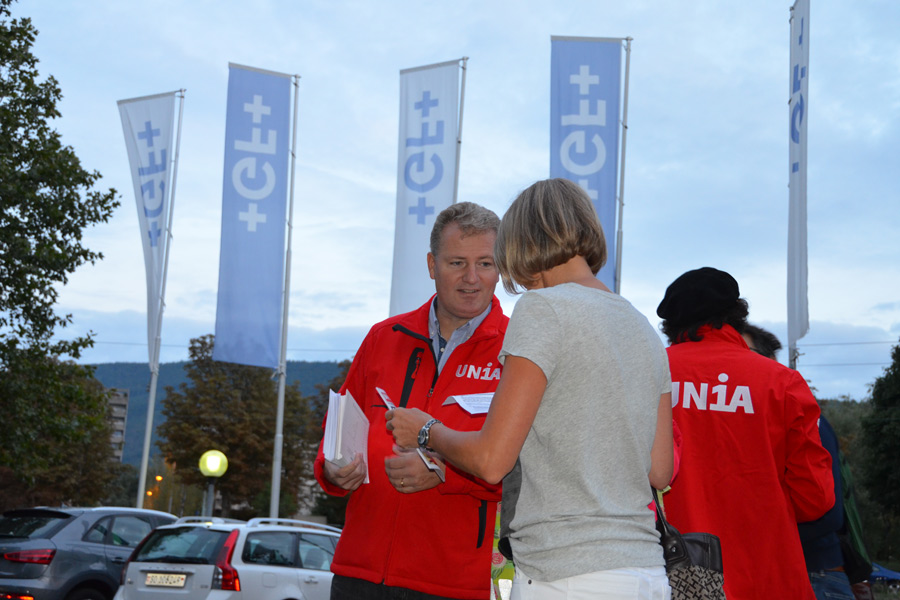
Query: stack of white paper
346	431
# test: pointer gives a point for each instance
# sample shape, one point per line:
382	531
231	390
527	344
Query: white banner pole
462	102
797	267
427	172
278	446
622	170
161	305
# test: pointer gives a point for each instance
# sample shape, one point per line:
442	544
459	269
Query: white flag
797	271
426	174
148	123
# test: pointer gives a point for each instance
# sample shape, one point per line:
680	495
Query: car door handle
118	560
311	579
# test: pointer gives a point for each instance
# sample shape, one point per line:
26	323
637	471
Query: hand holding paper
346	432
348	477
404	424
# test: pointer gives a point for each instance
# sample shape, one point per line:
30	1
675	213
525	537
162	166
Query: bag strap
661	518
675	551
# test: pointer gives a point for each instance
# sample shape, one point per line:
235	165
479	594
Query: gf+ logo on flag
417	159
155	172
248	166
577	138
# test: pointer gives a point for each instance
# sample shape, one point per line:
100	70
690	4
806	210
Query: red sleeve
678	439
808	477
355	381
460	482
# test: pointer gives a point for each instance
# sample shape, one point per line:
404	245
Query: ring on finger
401	482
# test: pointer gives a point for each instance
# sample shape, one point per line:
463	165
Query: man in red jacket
752	463
410	532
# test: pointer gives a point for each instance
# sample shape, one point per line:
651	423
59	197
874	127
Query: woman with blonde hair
583	404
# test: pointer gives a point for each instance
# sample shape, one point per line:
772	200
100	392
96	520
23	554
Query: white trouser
615	584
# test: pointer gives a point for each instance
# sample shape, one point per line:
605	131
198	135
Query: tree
332	508
231	408
846	417
46	201
881	468
58	450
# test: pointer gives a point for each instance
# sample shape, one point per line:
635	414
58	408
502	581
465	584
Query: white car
205	558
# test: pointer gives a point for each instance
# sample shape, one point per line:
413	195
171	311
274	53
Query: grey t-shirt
583	502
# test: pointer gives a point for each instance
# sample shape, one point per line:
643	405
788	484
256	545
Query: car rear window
194	545
31	524
270	548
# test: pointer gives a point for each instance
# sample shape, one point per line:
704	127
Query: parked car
207	558
69	553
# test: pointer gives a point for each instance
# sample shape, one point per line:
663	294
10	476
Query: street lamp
213	465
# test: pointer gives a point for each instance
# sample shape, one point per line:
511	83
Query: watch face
423	437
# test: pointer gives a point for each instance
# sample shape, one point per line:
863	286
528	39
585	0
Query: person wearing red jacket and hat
407	534
752	462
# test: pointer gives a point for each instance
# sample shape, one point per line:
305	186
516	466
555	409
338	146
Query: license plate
165	580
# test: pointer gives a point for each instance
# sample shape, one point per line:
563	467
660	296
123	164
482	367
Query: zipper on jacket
430	346
482	522
407	384
412	368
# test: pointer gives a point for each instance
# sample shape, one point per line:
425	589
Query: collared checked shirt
443	348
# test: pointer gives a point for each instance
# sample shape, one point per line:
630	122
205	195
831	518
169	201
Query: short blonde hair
471	218
548	224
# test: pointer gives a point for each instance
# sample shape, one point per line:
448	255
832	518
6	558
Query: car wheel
87	594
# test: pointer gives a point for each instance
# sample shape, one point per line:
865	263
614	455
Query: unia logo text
484	373
725	398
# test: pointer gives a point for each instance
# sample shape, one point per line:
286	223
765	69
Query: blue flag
585	76
254	197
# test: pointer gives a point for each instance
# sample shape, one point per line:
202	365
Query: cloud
706	171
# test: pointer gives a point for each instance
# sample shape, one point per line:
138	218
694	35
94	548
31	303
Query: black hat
698	295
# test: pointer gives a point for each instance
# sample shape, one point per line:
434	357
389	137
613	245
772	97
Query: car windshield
195	545
31	524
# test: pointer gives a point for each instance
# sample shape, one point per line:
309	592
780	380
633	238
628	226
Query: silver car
69	553
206	558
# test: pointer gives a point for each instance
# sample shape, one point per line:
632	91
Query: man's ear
431	265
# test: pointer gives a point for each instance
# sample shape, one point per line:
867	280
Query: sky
706	157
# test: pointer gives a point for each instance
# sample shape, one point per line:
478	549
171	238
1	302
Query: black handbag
693	561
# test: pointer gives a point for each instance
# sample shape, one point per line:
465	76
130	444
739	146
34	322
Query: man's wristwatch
425	434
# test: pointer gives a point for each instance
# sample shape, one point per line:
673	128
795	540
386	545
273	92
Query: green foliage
135	377
287	504
846	417
166	491
881	470
121	491
333	508
232	408
46	201
58	449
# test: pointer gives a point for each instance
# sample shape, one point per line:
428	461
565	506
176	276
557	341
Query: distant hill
135	377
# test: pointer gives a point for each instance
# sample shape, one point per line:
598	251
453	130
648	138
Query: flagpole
161	305
622	170
275	496
462	102
797	261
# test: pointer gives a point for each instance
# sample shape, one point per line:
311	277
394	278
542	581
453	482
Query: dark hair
736	316
764	341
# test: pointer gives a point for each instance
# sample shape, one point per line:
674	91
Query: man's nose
471	274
